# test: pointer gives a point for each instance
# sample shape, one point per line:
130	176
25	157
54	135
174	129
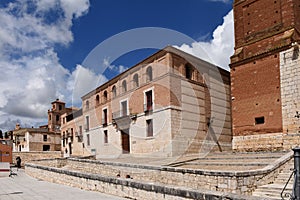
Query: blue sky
43	44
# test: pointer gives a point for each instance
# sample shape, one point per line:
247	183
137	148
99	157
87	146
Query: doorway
70	148
125	141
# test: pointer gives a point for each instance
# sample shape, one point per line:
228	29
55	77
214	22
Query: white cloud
82	81
220	48
119	69
31	73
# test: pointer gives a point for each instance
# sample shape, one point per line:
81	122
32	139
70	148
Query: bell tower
54	121
264	67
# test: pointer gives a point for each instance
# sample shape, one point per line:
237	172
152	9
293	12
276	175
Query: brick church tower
265	75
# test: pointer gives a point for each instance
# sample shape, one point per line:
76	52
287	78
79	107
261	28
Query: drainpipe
296	189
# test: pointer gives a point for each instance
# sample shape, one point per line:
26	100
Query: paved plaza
23	187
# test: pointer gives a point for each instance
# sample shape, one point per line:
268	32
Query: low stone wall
35	155
266	142
128	188
230	182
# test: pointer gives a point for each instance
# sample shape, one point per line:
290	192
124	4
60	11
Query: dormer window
97	100
188	71
114	91
136	80
87	105
124	86
105	96
149	74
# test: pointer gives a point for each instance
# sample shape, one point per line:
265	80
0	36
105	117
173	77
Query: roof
195	61
58	101
22	131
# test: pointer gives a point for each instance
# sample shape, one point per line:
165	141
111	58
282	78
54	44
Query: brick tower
54	121
265	75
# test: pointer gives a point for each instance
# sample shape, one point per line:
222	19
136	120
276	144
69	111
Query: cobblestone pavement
24	187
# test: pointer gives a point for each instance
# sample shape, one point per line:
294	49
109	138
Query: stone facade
72	134
36	139
264	74
290	89
170	104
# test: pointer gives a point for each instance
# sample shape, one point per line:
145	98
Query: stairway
229	161
273	190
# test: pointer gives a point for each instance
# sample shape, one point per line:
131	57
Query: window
63	140
104	117
88	139
105	96
123	108
50	117
149	128
46	147
80	130
149	74
57	118
60	107
188	72
259	120
87	123
114	91
105	136
124	86
97	100
136	80
149	102
80	134
45	138
87	105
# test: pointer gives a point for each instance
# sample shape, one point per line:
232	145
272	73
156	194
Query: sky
46	46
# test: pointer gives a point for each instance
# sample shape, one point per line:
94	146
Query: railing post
296	188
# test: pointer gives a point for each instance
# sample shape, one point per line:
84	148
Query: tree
6	135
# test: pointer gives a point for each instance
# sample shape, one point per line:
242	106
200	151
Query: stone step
267	195
240	157
221	168
229	163
272	190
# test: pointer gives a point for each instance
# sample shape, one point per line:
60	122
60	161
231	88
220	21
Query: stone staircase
229	161
273	190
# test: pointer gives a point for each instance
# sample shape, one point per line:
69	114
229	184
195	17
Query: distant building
265	75
5	150
44	138
72	134
170	104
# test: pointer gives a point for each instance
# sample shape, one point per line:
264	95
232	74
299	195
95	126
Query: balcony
122	120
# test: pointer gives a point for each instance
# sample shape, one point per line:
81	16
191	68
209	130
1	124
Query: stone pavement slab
24	187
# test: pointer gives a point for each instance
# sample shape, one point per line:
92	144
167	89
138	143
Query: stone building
44	138
72	134
169	104
265	75
5	150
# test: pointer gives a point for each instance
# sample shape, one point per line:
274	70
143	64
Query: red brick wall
262	29
256	92
6	153
255	19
